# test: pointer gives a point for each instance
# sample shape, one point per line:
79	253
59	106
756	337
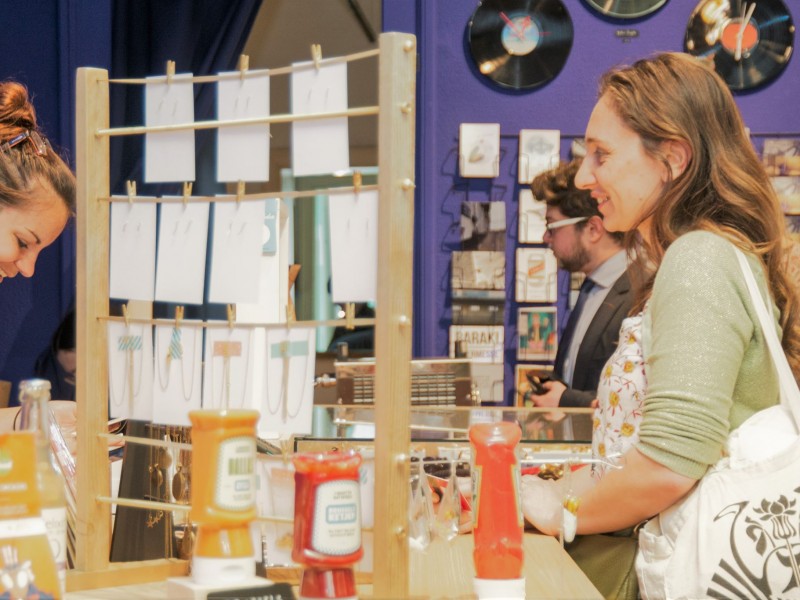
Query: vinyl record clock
520	44
625	9
748	43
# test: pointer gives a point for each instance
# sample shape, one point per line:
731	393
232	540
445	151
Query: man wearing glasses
576	235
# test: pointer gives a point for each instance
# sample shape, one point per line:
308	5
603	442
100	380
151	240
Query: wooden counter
445	570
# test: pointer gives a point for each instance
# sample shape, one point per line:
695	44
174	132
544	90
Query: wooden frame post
396	129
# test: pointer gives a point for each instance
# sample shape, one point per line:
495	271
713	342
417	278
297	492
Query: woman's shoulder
700	241
697	257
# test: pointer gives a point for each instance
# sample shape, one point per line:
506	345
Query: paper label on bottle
13	528
337	518
55	522
236	474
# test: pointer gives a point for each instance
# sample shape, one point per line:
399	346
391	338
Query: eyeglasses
549	227
38	145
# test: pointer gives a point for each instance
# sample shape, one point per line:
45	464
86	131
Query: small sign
276	591
626	35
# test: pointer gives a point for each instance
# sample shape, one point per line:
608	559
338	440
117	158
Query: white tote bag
736	534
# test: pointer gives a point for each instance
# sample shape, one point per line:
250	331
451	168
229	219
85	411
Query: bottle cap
497	589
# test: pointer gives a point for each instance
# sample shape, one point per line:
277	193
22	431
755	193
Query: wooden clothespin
170	71
316	55
240	188
131	190
244	64
125	315
187	191
356	182
349	316
231	315
179	311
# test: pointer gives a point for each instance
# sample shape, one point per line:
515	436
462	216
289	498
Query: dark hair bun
16	111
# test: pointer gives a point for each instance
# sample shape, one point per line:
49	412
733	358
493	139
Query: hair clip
38	145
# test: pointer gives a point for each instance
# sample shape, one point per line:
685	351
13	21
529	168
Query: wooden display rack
396	125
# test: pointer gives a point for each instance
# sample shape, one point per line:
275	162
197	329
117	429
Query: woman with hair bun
37	198
37	188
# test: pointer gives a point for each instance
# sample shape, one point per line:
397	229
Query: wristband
569	522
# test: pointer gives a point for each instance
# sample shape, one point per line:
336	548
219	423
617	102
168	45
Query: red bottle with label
327	522
497	513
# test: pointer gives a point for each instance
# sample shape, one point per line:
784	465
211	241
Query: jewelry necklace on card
225	349
129	344
176	352
285	350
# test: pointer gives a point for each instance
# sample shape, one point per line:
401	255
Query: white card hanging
130	371
289	387
539	150
319	146
228	372
243	150
181	262
237	240
531	218
178	358
353	220
169	155
536	275
271	305
479	149
132	258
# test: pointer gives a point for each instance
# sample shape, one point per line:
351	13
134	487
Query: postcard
483	226
537	338
479	342
479	149
539	151
536	275
479	269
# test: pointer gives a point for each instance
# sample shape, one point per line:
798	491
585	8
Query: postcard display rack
396	111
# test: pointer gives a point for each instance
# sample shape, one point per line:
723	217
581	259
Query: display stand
396	126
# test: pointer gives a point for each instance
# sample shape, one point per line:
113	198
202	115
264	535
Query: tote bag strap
790	394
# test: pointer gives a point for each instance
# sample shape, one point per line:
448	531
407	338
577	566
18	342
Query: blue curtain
202	38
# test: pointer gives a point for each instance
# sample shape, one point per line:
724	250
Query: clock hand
748	12
511	24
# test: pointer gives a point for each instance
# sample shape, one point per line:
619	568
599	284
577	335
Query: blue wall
44	42
450	91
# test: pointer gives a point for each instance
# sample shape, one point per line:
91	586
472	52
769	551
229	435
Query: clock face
625	9
748	43
520	44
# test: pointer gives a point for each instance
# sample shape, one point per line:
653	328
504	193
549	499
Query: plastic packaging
34	396
327	522
223	494
496	509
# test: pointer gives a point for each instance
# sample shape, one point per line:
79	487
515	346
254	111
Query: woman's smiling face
621	176
26	230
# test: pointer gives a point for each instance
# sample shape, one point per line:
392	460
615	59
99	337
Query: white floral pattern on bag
621	393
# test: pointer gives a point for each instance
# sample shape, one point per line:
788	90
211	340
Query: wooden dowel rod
250	73
148	504
224	324
360	111
232	198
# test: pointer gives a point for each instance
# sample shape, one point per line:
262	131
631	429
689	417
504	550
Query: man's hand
552	397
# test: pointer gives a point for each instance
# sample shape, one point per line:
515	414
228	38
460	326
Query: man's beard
575	261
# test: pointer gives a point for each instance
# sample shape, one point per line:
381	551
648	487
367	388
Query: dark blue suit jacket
597	345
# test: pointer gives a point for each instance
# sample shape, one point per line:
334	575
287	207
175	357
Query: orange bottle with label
27	566
327	522
497	512
223	494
